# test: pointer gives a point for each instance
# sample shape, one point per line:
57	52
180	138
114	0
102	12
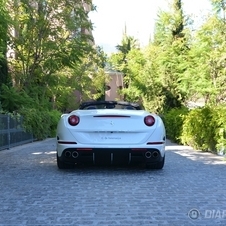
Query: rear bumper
111	155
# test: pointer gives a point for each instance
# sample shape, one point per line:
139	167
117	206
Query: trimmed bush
42	123
219	117
199	129
54	116
173	120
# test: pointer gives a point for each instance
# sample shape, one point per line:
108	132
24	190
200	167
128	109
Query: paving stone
34	192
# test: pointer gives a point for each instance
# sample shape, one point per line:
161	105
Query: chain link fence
12	133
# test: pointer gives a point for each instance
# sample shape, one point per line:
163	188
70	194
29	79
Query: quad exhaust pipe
148	154
154	154
67	154
75	154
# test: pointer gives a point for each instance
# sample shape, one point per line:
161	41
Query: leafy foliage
51	61
47	40
174	121
219	118
205	129
40	122
199	129
4	18
152	75
13	100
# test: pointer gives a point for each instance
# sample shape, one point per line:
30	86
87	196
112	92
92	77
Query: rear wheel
158	165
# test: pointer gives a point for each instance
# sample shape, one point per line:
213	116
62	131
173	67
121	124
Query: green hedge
202	128
199	129
173	120
219	118
41	122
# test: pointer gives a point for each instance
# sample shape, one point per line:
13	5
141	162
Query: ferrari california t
110	132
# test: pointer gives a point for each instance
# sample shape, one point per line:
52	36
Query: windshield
109	105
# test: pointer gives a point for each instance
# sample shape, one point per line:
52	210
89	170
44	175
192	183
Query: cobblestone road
35	192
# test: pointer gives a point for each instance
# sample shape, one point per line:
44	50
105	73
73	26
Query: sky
138	16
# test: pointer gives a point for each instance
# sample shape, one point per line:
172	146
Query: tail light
73	120
149	120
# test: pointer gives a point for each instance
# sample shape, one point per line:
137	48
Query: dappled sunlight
45	153
194	155
43	159
205	157
178	147
50	152
48	162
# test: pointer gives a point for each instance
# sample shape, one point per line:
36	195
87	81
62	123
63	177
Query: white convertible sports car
110	132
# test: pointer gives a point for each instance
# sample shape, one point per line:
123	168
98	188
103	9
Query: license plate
110	136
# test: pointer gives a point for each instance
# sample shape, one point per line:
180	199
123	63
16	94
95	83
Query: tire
62	165
158	165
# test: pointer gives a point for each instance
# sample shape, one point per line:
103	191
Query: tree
178	22
127	44
4	79
46	37
171	41
207	58
169	24
219	6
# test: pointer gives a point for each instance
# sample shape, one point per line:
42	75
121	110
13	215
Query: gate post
8	130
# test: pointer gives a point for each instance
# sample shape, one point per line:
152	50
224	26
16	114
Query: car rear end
111	136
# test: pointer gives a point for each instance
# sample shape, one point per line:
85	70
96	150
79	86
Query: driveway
190	190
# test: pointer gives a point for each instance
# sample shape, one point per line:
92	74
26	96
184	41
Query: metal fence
12	133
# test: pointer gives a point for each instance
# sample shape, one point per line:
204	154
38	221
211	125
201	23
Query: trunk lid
111	126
